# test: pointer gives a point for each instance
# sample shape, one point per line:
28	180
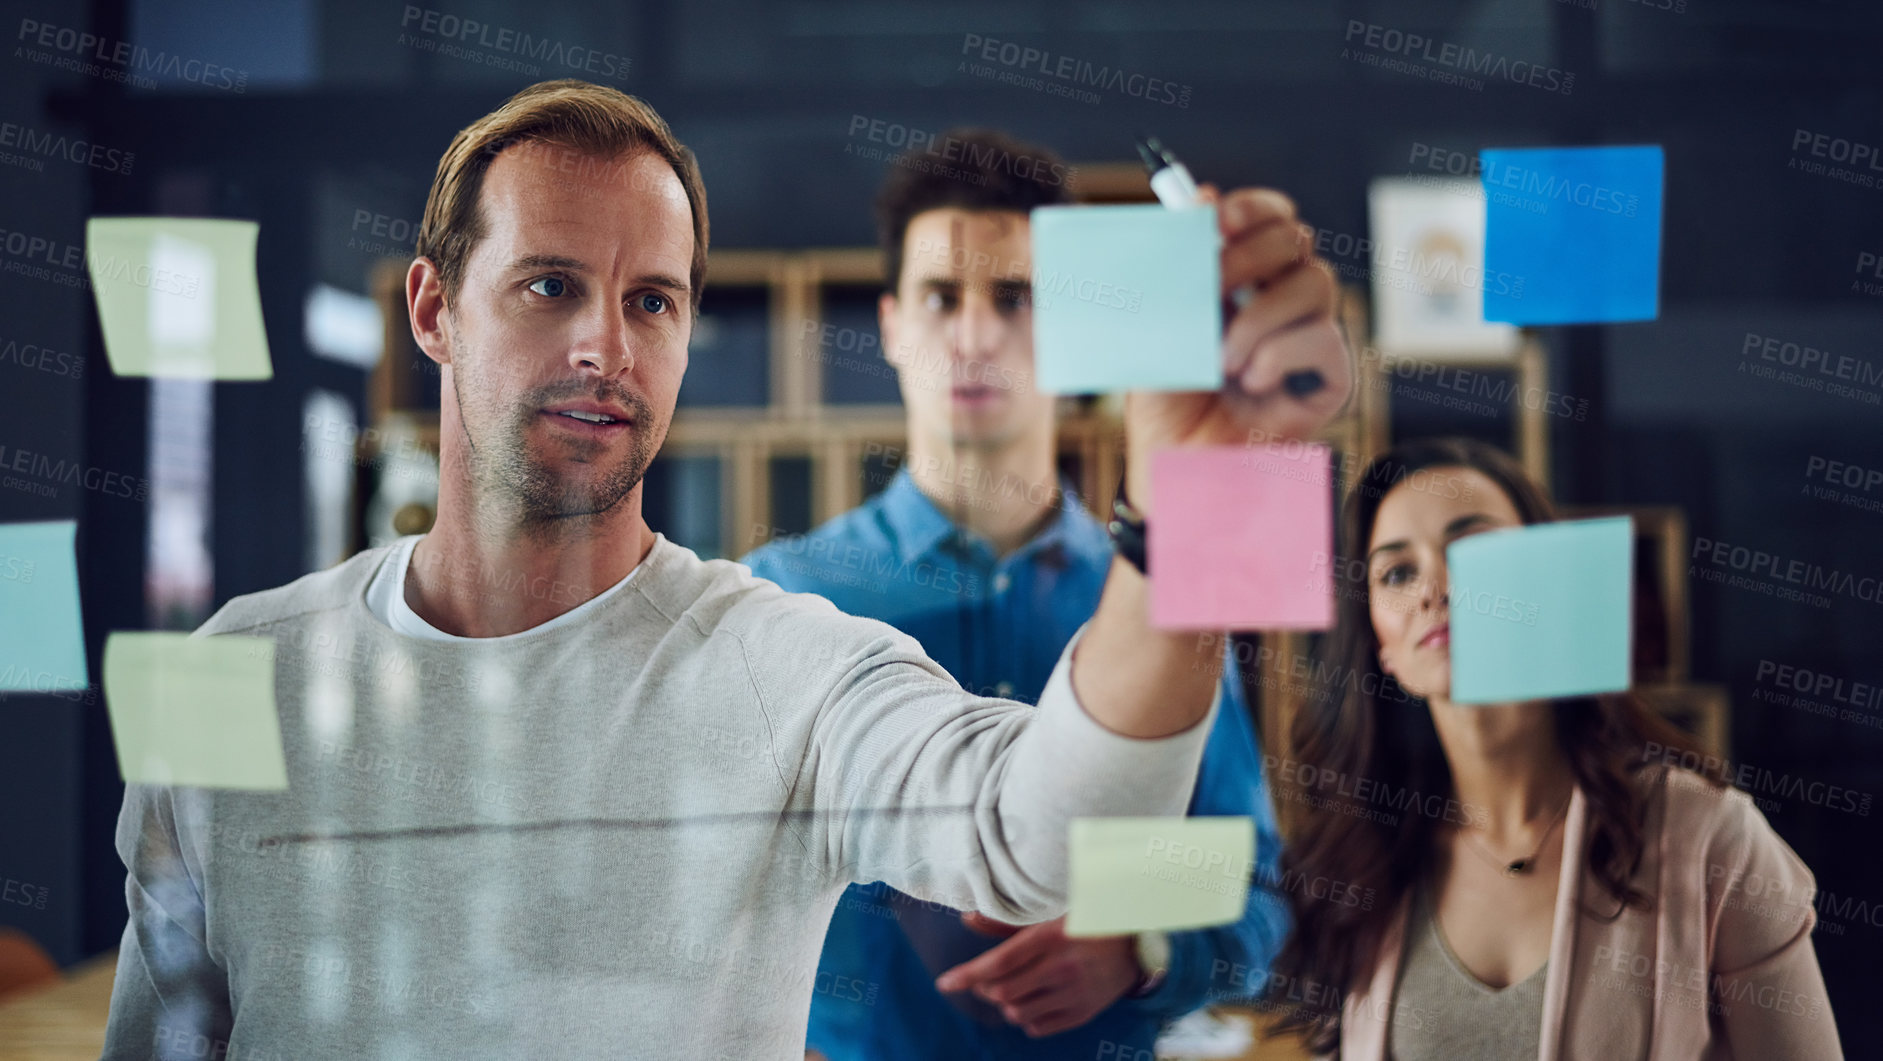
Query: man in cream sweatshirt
560	788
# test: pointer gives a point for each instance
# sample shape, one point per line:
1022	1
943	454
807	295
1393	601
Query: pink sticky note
1241	537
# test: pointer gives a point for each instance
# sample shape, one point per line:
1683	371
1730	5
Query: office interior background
323	120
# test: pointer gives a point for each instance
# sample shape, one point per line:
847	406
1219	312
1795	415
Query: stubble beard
547	492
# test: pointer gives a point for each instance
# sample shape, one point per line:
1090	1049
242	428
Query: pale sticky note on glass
42	641
1158	874
1243	538
1126	298
194	710
1541	611
177	297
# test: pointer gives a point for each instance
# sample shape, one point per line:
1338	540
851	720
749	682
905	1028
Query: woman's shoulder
1720	825
1695	808
1721	857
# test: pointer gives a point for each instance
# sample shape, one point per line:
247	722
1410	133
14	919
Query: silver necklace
1520	866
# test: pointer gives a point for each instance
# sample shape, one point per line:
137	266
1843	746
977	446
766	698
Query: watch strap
1127	531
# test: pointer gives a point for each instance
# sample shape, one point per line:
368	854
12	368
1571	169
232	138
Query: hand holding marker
1175	188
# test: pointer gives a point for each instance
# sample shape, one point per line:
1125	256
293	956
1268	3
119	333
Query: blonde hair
587	121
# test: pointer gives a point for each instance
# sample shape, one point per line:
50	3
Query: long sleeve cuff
1067	765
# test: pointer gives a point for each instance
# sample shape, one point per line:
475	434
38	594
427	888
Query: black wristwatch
1127	530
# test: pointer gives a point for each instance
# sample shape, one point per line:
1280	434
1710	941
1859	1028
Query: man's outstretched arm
1138	681
966	800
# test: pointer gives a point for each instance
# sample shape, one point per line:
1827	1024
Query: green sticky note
1158	874
1126	298
177	297
1541	611
42	642
194	710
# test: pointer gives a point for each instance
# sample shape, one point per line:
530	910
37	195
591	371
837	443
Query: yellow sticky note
194	711
177	297
1158	874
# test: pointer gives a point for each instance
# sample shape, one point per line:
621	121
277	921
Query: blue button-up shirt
999	624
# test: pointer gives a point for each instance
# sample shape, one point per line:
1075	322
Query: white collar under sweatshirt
385	598
621	837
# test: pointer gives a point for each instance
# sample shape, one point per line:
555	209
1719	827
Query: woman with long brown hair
1596	893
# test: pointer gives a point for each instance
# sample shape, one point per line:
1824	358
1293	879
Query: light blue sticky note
177	297
1126	298
194	710
42	642
1575	233
1541	611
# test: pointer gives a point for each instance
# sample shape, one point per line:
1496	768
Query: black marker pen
1174	187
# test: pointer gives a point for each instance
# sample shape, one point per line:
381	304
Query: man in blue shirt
978	549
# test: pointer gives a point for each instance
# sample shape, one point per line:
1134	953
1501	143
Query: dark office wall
784	104
42	398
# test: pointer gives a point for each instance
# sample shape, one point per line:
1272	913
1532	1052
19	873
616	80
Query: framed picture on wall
1427	264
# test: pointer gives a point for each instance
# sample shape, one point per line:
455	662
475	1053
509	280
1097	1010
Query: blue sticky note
42	643
1575	233
1126	298
1541	611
